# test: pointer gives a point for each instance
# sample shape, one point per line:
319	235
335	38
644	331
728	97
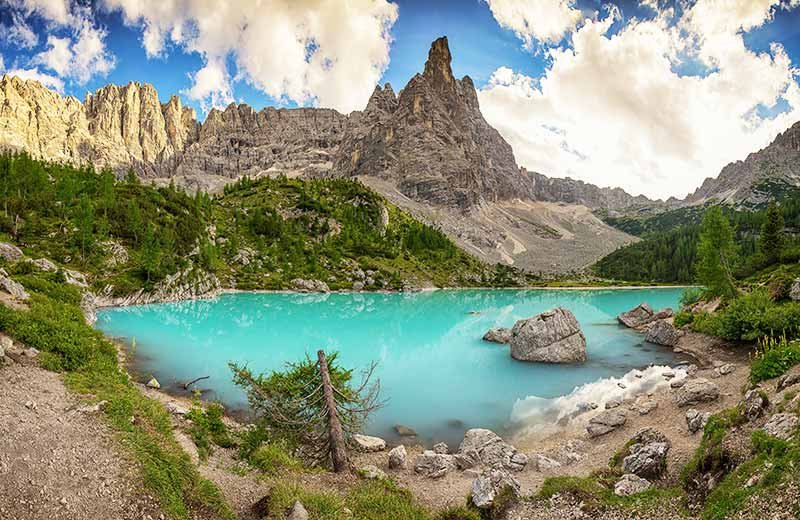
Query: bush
207	429
683	318
751	317
690	296
773	358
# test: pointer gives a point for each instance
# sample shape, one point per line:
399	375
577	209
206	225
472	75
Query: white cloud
545	21
613	109
325	52
57	11
47	80
19	33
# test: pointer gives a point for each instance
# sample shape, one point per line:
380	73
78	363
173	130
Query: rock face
578	192
551	337
499	335
303	285
606	422
490	484
662	333
794	291
630	484
782	425
757	179
183	285
428	149
484	447
13	288
696	391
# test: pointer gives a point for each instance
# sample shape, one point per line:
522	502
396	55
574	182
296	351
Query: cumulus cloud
324	52
546	21
654	107
75	47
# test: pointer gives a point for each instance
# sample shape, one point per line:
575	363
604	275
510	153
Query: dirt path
57	462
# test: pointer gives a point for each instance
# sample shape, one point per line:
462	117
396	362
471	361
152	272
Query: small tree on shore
313	405
772	236
716	253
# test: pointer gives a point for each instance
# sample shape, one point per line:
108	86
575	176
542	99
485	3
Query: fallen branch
193	381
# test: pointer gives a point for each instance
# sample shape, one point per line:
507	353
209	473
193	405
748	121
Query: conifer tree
716	253
772	237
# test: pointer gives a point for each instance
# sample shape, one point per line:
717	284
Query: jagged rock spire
437	68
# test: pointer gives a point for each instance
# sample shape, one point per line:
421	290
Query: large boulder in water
641	315
553	336
662	333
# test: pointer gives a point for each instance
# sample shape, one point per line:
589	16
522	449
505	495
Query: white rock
397	457
630	484
368	443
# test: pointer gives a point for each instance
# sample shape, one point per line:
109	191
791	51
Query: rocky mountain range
428	149
762	176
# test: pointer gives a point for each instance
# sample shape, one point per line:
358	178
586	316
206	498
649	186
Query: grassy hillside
260	234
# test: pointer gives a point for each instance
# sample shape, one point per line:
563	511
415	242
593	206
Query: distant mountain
763	176
428	149
578	192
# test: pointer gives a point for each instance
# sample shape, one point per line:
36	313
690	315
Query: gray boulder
397	457
368	443
754	404
630	484
646	460
662	333
434	465
782	425
636	317
303	285
441	448
499	335
13	288
10	252
490	450
543	463
297	512
696	391
794	291
696	420
606	422
787	380
43	264
490	484
551	337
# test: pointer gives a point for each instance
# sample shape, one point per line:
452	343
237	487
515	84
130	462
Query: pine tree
716	253
84	221
772	237
151	254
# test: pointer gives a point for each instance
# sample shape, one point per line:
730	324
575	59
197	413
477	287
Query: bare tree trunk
337	448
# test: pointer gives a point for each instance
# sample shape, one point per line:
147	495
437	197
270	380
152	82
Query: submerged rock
404	431
553	336
498	335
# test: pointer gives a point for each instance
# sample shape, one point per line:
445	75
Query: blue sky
600	91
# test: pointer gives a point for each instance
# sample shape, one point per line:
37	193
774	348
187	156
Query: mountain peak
437	68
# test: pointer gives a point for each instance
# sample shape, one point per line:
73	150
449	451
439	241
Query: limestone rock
644	405
434	465
372	472
551	337
491	450
368	443
782	425
630	484
794	291
637	316
13	288
647	460
189	284
754	404
441	448
662	333
696	391
43	264
297	512
606	422
10	252
397	457
490	484
696	420
498	335
787	380
543	463
153	383
725	369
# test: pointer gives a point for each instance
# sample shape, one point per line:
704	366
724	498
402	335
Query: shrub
751	317
690	296
207	429
274	457
773	358
683	318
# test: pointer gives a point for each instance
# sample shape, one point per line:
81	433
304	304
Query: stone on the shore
644	405
176	409
646	460
368	443
636	317
788	380
13	288
677	383
10	252
543	463
358	286
490	484
441	448
696	420
630	484
397	457
303	285
491	450
606	422
372	472
434	465
754	404
662	333
794	291
725	369
614	402
553	336
498	335
782	425
153	383
297	512
696	391
404	431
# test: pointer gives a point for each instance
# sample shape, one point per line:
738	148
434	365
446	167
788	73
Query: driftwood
338	448
193	381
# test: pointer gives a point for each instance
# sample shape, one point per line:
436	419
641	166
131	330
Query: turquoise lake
437	375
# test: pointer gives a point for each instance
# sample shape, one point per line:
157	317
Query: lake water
436	373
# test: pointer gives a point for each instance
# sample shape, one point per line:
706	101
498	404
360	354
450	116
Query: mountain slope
429	149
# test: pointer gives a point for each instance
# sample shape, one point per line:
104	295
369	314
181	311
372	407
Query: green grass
207	429
274	457
143	426
597	491
773	358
